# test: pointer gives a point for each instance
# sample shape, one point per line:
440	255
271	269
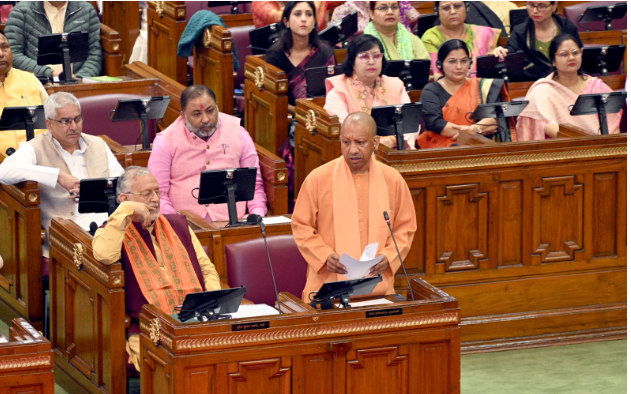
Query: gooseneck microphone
257	219
385	216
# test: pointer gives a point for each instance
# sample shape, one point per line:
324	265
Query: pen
24	99
224	148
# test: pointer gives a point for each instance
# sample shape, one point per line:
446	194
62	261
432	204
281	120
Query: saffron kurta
315	217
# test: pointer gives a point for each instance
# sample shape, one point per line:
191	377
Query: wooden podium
401	347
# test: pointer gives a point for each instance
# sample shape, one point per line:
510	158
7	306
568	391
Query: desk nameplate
384	312
250	326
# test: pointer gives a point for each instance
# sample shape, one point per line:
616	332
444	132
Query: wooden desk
520	89
529	236
87	314
306	350
26	361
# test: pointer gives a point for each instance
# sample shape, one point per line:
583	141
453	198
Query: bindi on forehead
201	107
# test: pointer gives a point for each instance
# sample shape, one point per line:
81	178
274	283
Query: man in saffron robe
203	139
140	237
340	210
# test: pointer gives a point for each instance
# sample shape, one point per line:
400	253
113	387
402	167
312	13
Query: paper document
276	220
253	310
359	268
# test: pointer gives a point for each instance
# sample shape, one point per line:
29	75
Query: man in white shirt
58	159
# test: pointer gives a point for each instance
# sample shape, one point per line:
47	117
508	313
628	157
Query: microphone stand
385	216
269	259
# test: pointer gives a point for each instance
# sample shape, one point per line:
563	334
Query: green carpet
589	368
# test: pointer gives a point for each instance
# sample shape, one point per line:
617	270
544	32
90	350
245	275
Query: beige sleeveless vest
55	202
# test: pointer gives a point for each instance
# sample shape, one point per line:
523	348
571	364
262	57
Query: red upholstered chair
96	109
574	12
247	265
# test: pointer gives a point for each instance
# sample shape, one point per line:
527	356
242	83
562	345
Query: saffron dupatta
165	290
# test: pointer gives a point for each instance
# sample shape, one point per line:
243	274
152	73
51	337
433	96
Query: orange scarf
346	218
166	290
362	97
466	100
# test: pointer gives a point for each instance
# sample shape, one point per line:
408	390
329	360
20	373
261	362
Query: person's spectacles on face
449	7
463	62
564	55
365	56
385	8
65	122
538	7
149	194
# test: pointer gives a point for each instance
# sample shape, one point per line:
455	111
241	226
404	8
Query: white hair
124	181
59	100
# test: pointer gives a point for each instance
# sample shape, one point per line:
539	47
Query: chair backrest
241	41
247	265
96	109
574	12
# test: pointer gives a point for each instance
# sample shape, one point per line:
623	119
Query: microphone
10	151
93	228
385	216
257	219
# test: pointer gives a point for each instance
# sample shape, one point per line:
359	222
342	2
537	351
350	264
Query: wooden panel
605	223
20	230
234	20
266	102
558	219
510	205
434	358
462	232
124	17
80	326
265	376
314	373
112	58
380	370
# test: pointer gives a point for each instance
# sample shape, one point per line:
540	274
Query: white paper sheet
253	310
276	220
359	268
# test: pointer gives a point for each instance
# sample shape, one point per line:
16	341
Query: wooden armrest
43	236
571	131
195	221
465	138
273	168
114	146
127	321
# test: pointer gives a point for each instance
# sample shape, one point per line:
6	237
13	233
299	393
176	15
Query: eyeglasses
538	7
385	8
449	7
464	62
65	122
564	55
365	56
149	194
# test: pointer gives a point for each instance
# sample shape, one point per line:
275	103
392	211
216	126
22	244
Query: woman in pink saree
551	96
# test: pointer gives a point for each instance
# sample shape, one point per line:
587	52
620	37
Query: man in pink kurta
340	210
202	139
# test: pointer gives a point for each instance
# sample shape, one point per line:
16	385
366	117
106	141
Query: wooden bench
26	360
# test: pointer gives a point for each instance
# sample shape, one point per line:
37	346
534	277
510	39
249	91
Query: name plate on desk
250	326
384	312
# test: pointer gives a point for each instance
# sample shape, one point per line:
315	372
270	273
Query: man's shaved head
359	139
363	120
